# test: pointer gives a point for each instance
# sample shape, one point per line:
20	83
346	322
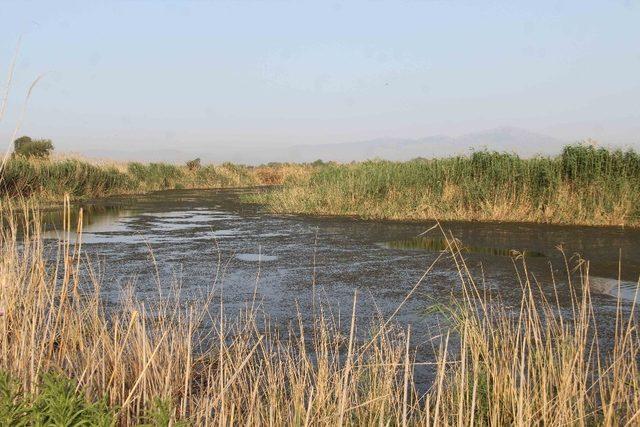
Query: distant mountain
521	142
145	156
514	140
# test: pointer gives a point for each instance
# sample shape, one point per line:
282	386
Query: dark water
204	238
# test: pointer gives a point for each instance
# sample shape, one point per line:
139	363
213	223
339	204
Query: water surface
206	238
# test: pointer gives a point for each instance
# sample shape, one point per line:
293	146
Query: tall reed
537	364
50	180
583	185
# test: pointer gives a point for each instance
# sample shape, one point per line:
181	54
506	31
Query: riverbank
582	186
49	180
68	357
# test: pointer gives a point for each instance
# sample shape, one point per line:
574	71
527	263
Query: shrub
27	147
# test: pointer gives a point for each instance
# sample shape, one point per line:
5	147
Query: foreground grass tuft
56	402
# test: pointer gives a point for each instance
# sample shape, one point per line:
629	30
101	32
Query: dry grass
537	364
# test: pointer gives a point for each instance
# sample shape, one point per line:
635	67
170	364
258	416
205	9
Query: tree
27	147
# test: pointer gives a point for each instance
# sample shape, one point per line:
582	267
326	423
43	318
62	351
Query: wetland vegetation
163	361
69	357
583	185
483	289
48	180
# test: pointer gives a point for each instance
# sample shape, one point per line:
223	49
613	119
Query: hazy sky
219	74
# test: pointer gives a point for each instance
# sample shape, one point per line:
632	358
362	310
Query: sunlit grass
537	363
584	185
50	180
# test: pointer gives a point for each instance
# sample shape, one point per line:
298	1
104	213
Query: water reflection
623	289
95	217
437	244
256	257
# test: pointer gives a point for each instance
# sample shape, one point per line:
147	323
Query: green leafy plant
57	403
27	147
13	409
60	404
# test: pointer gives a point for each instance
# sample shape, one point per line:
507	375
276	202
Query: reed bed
584	185
50	180
171	361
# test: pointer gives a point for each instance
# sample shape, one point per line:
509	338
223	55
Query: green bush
27	147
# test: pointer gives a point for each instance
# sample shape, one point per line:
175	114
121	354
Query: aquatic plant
166	359
583	185
50	180
22	177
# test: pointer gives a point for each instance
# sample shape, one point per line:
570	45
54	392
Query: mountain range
509	139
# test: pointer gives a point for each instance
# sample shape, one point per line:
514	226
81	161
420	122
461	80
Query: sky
213	75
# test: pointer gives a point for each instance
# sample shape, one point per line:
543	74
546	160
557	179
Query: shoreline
583	186
52	205
432	221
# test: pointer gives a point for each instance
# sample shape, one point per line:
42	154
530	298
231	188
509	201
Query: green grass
57	402
583	185
25	177
50	180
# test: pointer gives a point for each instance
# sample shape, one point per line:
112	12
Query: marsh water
208	239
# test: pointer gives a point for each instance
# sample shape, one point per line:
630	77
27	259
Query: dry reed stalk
543	363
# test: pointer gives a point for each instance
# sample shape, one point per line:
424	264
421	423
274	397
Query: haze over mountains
508	139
